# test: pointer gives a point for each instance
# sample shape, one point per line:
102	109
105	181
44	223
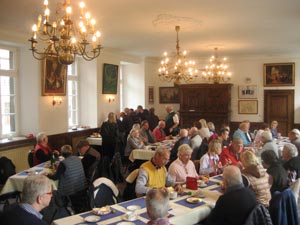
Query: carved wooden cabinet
209	101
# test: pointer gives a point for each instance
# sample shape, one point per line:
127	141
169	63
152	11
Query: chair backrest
30	158
295	188
129	191
7	169
259	216
103	192
283	208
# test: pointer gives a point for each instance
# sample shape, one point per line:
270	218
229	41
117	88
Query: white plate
92	219
133	207
124	217
203	185
125	223
194	200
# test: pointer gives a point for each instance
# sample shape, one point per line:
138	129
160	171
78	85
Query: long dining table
148	152
181	212
15	182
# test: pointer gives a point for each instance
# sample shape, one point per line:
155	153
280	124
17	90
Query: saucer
133	207
92	219
194	200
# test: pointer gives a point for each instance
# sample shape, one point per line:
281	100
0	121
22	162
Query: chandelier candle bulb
59	34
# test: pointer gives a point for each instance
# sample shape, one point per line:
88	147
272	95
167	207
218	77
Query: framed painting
110	79
168	95
248	106
279	74
248	91
54	79
151	95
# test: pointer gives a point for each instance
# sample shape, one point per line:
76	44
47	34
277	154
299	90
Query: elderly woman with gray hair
42	150
268	143
291	161
183	166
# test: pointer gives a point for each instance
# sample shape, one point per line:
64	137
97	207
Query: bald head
232	176
183	133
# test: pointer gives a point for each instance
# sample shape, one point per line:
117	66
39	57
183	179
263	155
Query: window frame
14	73
74	77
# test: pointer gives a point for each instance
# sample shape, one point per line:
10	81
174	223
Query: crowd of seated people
252	167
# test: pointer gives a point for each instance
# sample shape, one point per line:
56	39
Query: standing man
36	195
172	122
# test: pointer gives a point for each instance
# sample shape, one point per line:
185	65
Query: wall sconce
56	100
111	99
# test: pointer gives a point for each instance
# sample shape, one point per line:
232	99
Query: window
73	95
8	74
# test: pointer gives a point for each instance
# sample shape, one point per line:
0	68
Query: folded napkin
183	202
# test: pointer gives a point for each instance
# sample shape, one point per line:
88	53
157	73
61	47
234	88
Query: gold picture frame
248	106
54	79
279	74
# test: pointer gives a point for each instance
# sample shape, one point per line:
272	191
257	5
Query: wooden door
279	105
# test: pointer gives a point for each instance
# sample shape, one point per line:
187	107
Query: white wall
242	68
38	114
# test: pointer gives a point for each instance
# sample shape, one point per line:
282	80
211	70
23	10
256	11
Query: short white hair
291	150
183	149
35	185
157	203
233	176
40	137
267	135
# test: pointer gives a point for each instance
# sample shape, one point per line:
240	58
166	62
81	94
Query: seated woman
278	177
182	167
42	151
257	176
209	162
134	141
69	173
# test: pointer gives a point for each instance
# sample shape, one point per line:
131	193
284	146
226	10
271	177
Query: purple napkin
41	165
189	205
26	173
219	177
145	215
219	189
138	201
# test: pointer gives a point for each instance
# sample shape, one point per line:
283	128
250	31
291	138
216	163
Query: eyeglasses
49	193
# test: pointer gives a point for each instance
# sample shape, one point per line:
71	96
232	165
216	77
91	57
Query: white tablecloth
180	213
94	141
141	154
15	182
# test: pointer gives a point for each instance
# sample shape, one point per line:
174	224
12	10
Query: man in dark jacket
234	206
36	195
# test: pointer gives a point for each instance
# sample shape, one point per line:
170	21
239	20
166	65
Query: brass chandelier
64	37
178	67
216	71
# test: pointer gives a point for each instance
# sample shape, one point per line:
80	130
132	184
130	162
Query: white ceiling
147	27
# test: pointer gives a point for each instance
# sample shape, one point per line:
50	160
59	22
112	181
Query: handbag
191	183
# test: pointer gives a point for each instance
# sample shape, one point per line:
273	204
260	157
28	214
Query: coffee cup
173	194
130	215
